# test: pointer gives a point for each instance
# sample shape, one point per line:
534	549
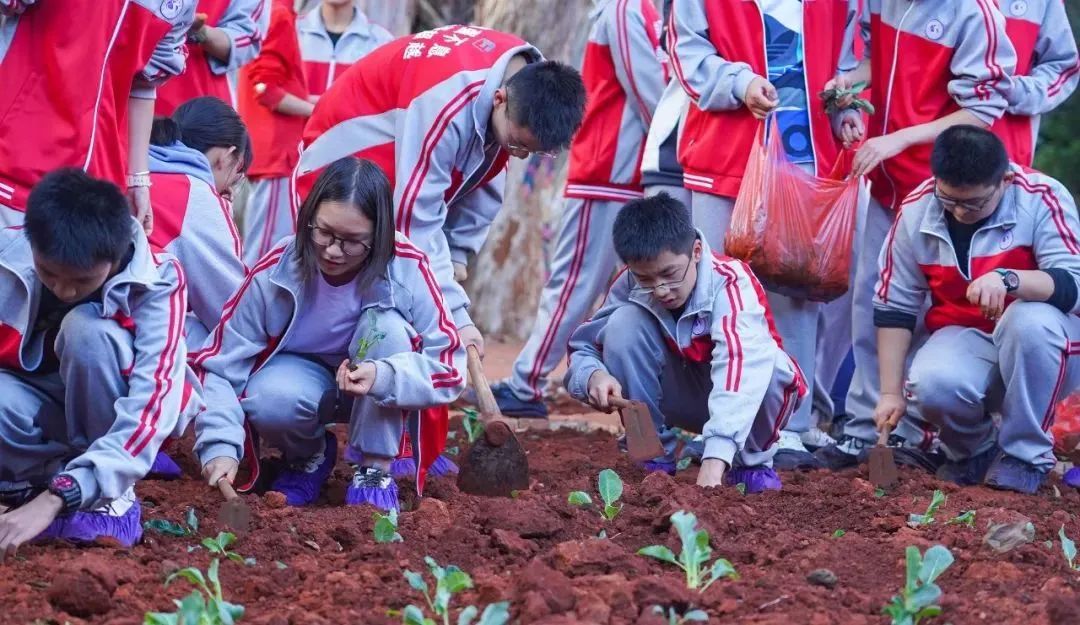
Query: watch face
1012	281
62	482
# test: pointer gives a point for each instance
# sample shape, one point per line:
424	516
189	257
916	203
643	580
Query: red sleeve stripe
431	140
673	42
624	50
243	42
163	381
1056	211
269	261
1059	84
919	193
446	324
226	213
257	13
1048	417
731	331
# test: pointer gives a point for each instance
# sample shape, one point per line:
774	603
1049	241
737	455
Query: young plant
369	340
833	96
839	533
204	606
919	596
674	618
1068	547
448	582
386	527
967	518
938	500
611	488
474	427
189	527
694	558
220	546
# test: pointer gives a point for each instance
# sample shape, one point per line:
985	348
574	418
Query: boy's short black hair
647	227
76	220
548	98
969	156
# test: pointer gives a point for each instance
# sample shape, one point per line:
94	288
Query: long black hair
204	123
361	184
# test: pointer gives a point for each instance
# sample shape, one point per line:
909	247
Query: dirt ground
322	566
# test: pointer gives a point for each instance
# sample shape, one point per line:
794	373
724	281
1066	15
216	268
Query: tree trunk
508	274
395	16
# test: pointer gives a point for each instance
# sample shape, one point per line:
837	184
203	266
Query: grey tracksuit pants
282	398
677	390
581	268
267	218
1023	369
46	419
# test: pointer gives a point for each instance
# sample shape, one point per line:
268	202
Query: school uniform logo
170	9
1018	7
1006	240
484	45
935	29
701	325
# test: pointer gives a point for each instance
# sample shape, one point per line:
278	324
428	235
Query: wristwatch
1010	279
138	179
67	489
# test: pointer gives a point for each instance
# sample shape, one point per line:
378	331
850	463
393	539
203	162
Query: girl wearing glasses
346	310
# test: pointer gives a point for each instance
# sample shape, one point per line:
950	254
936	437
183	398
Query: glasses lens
320	236
354	248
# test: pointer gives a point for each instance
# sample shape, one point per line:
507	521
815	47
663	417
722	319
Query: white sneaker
815	438
791	441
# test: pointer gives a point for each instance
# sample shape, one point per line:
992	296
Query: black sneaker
1008	473
969	471
913	455
846	453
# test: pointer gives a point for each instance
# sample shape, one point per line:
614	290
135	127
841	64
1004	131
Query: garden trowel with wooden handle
234	513
882	462
642	441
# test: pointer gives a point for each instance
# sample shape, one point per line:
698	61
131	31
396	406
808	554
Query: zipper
888	93
288	328
101	83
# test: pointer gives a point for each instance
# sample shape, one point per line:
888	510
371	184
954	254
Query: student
930	66
440	111
688	332
741	61
275	104
118	52
994	248
291	331
623	81
228	38
334	37
92	363
1047	71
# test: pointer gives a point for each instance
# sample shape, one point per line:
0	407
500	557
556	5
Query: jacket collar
313	23
291	276
701	297
934	223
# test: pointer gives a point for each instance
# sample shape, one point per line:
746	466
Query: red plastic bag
794	229
1066	428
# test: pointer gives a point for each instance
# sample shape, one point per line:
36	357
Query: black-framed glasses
968	206
667	286
521	151
349	247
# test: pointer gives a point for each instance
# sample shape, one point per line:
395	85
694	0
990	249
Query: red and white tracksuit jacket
324	61
257	320
624	77
148	298
717	48
1035	227
419	108
263	83
112	50
929	59
1047	70
245	22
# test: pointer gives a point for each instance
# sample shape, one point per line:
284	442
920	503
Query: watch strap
140	179
67	489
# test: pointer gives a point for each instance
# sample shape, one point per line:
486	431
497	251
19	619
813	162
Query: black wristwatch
1010	278
67	489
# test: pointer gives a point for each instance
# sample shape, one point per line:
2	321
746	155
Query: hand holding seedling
988	293
603	386
890	407
760	97
222	467
712	472
27	521
356	381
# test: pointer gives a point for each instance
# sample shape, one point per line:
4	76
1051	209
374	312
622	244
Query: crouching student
196	156
689	333
344	283
92	363
995	249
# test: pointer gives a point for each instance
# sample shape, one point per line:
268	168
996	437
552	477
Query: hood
180	159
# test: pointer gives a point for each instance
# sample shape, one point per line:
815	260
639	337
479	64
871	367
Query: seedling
189	527
204	606
220	546
919	596
682	465
674	618
611	488
938	500
1068	547
386	527
448	582
474	427
967	518
741	487
879	492
368	341
694	558
838	534
833	96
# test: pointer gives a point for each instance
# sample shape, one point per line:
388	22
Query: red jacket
717	47
275	137
66	74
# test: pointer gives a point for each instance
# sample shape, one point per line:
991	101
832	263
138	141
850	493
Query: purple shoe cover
372	487
652	466
301	486
757	479
1072	477
88	526
164	468
403	467
406	467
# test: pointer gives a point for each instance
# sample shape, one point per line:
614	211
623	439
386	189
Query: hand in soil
220	467
471	336
712	472
602	386
889	409
26	522
358	381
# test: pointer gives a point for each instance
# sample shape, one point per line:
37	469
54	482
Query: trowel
882	462
642	441
234	513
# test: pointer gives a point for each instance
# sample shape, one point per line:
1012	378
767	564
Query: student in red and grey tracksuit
334	37
623	81
930	66
229	38
440	111
121	51
1047	71
740	61
274	103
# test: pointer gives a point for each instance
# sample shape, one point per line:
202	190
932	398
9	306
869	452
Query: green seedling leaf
936	501
879	492
205	606
934	562
280	565
416	581
741	487
474	427
683	463
452	451
496	614
695	554
365	343
838	534
720	568
610	512
456	581
163	526
579	498
386	526
660	552
610	486
1068	547
919	596
467	615
602	535
967	518
413	615
192	521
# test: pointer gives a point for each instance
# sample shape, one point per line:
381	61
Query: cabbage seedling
386	527
204	606
938	500
474	427
189	527
220	546
674	618
1068	547
610	486
448	582
967	518
694	558
368	341
919	596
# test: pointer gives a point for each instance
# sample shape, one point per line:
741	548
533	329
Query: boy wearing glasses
689	333
995	248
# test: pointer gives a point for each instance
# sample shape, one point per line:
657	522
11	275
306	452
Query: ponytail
204	123
165	131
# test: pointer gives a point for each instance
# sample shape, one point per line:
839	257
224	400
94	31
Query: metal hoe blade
642	441
882	462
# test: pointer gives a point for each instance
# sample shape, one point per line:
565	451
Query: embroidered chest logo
701	325
170	9
1006	240
1018	7
935	29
